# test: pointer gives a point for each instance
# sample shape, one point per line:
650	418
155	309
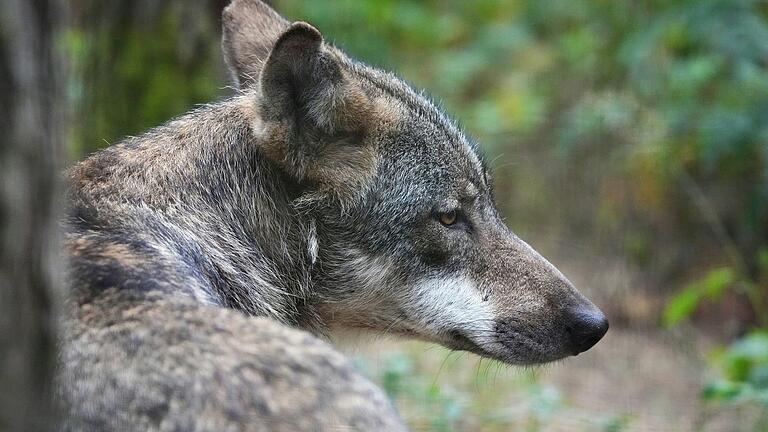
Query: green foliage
745	371
545	401
133	75
617	423
467	395
711	288
440	408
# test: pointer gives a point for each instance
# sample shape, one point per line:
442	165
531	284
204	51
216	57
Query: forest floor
631	381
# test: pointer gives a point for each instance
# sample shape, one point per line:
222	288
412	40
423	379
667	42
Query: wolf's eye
448	218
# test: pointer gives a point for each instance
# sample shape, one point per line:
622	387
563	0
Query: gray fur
312	201
171	364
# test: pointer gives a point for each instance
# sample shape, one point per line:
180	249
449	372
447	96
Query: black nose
586	327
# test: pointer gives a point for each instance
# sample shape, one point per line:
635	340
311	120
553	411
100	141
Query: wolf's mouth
459	341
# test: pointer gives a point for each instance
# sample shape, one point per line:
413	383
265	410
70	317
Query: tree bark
31	137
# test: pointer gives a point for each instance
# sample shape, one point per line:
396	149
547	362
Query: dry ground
631	381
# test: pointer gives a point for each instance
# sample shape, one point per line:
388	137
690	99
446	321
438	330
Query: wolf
210	258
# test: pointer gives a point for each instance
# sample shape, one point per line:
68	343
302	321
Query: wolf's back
142	361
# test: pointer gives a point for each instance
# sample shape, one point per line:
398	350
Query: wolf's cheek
447	306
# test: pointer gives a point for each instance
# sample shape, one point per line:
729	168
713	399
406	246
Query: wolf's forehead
417	107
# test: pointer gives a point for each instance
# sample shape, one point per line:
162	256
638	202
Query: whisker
440	369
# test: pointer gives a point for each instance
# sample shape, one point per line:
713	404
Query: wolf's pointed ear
316	114
303	82
250	30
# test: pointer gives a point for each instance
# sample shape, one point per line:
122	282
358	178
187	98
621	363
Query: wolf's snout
586	327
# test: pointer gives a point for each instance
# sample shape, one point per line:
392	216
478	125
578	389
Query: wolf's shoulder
173	363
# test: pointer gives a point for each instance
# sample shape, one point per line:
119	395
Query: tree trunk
31	136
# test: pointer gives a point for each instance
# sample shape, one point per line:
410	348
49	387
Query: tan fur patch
122	254
346	169
274	142
76	246
366	113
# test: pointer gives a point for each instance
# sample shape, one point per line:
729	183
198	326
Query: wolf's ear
250	30
303	82
318	114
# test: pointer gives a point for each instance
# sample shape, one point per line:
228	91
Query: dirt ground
631	381
653	380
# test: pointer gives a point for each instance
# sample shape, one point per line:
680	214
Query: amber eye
448	218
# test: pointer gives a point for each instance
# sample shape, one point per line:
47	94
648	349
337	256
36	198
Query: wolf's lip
459	341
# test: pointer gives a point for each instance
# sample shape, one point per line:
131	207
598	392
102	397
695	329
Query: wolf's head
404	236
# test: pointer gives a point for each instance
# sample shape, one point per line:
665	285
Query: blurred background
629	142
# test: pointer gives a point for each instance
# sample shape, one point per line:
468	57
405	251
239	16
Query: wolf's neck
242	209
202	179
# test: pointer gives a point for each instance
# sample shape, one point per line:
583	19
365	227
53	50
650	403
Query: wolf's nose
587	327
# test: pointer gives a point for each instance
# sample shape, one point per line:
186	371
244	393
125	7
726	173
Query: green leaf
723	390
711	287
681	307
